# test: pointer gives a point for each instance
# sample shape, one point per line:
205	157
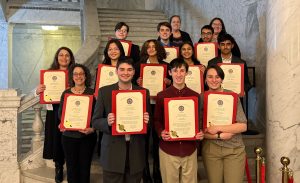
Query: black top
185	37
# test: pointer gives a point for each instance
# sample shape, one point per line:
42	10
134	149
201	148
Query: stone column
282	86
9	166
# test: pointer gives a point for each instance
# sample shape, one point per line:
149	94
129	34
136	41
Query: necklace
80	91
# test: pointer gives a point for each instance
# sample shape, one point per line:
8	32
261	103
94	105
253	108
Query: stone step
130	24
132	29
131	20
152	33
133	16
130	12
135	40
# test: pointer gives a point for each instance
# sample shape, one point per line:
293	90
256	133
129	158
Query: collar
177	91
227	60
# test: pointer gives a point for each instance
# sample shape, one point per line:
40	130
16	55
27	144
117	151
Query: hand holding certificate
106	76
181	117
219	108
76	114
205	52
56	83
129	107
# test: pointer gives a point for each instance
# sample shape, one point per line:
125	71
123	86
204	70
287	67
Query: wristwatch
219	136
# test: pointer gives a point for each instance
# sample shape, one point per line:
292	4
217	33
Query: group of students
124	159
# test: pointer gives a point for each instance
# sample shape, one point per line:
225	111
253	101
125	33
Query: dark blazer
247	84
113	148
135	53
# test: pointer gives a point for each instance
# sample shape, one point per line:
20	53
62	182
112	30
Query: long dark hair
87	73
223	31
193	55
107	60
161	52
55	64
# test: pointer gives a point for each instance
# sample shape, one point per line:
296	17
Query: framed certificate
129	107
181	117
234	77
106	75
56	82
172	53
153	77
76	113
219	108
204	52
194	79
126	46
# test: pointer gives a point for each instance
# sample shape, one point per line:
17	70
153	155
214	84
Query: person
164	32
219	29
178	159
186	52
122	157
178	36
207	33
121	33
223	150
113	52
226	44
63	60
78	145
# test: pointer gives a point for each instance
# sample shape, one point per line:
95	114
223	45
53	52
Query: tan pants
175	169
223	165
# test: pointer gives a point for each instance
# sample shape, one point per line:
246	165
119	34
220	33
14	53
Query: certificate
56	82
126	46
181	117
194	79
129	107
205	52
219	108
106	75
234	77
172	53
153	77
76	113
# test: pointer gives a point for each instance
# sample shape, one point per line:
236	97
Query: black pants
78	154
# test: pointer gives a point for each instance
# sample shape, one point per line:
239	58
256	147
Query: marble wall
3	55
124	4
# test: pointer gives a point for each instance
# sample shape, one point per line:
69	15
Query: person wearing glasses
207	33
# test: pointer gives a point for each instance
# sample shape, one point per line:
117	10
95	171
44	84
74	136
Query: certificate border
242	76
205	106
142	72
129	47
201	78
114	110
42	72
177	50
196	45
98	77
61	125
195	99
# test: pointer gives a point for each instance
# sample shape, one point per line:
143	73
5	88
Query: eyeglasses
206	33
78	74
113	49
121	31
216	25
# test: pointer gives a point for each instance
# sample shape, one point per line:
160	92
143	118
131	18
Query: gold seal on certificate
76	113
219	108
56	83
181	119
234	79
205	52
153	77
126	46
106	76
129	107
194	79
172	53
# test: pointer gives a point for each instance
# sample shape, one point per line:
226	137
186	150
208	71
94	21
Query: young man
226	44
121	33
122	157
207	33
164	32
178	159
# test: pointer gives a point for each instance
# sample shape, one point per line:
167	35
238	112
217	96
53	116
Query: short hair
87	73
170	20
125	60
218	69
161	52
223	31
177	63
107	60
167	24
207	27
120	25
225	37
55	64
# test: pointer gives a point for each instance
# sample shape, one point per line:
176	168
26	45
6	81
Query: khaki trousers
175	169
222	164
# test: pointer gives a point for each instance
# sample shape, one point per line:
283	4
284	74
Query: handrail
28	101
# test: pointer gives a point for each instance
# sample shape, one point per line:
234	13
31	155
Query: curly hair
161	52
107	60
55	64
87	73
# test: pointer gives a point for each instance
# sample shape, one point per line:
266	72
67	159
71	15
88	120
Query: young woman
113	52
78	145
178	36
223	150
63	60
